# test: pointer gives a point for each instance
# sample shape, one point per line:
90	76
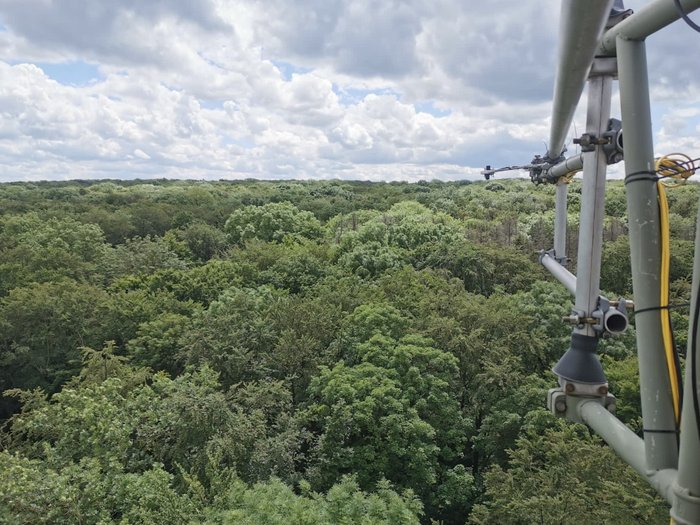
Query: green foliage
294	267
482	268
558	476
304	352
202	240
157	341
36	250
372	259
265	438
368	426
42	327
233	335
139	256
274	503
366	321
271	222
616	274
32	492
179	418
116	224
129	308
395	415
78	423
201	284
623	376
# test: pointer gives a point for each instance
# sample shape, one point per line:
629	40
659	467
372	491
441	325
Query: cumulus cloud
400	89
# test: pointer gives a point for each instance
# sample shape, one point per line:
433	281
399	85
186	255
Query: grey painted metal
560	216
649	19
560	273
643	218
570	165
614	316
626	444
590	245
581	27
687	508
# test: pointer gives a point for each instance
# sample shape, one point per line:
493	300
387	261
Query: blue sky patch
288	69
76	73
211	104
352	96
428	106
242	142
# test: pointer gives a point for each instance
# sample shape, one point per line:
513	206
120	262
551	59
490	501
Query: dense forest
305	353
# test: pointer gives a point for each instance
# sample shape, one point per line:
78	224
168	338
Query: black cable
640	176
667	307
687	166
685	17
693	359
676	366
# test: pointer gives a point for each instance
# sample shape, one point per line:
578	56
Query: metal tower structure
601	41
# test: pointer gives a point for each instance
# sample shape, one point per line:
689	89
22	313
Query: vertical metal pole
590	244
643	217
686	509
560	210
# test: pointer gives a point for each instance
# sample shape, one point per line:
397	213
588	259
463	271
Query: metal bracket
611	141
613	147
588	141
537	166
563	401
610	318
603	66
578	319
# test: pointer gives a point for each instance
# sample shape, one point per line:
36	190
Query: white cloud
315	89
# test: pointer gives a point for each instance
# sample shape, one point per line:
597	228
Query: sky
298	89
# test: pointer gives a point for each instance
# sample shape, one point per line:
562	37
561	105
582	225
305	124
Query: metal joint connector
613	149
589	141
564	401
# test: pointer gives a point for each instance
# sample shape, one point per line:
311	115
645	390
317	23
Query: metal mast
595	53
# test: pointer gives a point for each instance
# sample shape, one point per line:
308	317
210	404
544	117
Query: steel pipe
565	167
614	321
560	273
644	235
627	445
581	27
590	244
687	508
561	215
648	20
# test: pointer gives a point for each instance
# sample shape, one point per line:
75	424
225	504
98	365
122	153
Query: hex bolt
603	390
570	388
560	406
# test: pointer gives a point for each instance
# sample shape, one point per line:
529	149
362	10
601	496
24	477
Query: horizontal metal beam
648	20
570	165
560	273
626	444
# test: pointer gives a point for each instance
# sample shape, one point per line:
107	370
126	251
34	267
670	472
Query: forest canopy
304	353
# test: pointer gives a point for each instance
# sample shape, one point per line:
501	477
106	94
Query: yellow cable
677	167
566	179
665	313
